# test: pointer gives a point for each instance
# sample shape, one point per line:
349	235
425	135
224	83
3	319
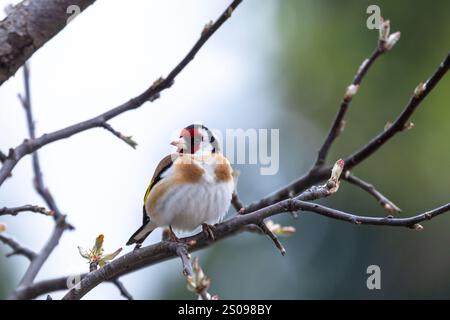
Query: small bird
189	188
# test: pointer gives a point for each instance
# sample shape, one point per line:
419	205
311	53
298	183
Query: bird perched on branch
189	188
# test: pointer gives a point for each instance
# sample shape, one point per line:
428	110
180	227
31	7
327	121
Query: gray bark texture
28	26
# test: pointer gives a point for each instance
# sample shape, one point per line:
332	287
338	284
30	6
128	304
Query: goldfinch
189	188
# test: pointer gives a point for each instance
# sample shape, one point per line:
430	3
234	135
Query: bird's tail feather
142	233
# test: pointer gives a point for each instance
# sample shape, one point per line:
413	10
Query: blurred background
274	64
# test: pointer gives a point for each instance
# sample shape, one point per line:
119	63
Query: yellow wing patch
163	165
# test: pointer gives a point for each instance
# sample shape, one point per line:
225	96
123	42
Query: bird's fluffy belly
187	206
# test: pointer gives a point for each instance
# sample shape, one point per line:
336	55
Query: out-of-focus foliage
320	45
5	280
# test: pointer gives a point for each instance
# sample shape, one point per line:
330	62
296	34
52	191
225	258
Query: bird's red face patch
189	132
192	138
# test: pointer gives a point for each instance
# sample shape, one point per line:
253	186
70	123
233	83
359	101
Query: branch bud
385	29
351	91
156	83
207	28
333	182
387	125
279	229
408	125
229	12
389	208
198	282
392	40
128	140
420	89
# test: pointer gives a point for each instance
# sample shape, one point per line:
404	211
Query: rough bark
28	26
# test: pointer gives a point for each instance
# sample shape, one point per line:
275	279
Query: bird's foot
208	229
137	246
169	235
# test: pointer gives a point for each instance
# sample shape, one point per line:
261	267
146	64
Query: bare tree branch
385	43
123	291
168	249
28	26
272	236
237	203
29	146
164	250
17	248
60	220
26	208
195	278
38	178
320	173
127	139
339	122
37	289
182	252
369	188
37	263
313	193
411	222
3	157
399	124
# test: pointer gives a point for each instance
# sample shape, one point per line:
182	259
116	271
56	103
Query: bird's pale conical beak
180	144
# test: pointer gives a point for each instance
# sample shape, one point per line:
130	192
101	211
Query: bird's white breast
188	205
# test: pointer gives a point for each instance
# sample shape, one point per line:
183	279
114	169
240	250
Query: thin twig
185	257
30	146
261	227
237	203
127	139
411	222
320	173
38	180
39	288
123	291
60	220
37	263
193	272
17	248
399	124
338	123
385	43
26	208
369	188
274	238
